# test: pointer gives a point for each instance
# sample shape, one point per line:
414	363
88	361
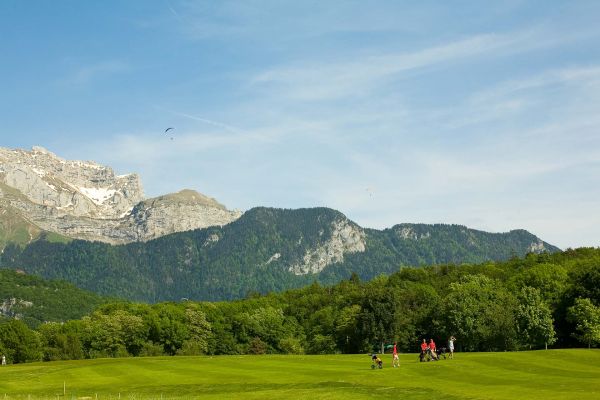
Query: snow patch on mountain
98	195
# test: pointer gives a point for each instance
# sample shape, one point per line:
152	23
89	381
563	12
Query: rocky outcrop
185	210
346	237
86	200
537	247
408	233
8	307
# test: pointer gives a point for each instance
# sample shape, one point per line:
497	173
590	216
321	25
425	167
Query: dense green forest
524	303
35	300
229	262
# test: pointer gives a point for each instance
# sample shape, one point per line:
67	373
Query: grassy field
553	374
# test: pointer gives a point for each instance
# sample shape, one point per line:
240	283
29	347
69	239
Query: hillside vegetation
35	300
257	254
524	303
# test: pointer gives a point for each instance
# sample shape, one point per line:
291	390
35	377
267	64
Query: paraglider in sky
169	129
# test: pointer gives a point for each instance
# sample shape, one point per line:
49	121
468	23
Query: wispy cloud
573	93
486	161
138	149
170	7
587	76
217	124
253	20
494	128
332	81
88	73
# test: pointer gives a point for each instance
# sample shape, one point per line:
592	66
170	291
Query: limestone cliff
86	200
346	238
182	211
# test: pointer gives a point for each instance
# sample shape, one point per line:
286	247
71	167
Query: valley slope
35	300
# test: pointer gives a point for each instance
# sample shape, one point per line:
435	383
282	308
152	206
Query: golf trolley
377	363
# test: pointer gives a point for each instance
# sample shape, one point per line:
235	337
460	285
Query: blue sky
466	112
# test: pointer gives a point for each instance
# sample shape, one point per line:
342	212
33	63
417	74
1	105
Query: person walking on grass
395	358
451	345
3	360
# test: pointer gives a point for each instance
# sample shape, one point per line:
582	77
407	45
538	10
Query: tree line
534	302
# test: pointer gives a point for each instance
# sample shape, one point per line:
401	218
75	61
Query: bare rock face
409	233
85	200
82	189
8	306
537	247
346	237
185	210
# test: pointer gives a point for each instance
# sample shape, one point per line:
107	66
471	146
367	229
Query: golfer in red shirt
432	349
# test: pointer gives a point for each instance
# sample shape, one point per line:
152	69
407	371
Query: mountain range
40	191
264	250
79	222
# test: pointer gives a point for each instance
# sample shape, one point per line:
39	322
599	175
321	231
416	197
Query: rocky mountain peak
188	197
79	188
187	208
87	200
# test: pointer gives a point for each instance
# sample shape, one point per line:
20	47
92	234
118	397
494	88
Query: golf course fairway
552	374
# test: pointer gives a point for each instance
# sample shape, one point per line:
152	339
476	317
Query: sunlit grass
553	374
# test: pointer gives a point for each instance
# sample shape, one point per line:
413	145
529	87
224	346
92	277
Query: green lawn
553	374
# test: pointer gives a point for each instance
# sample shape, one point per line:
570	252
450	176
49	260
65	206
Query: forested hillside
258	253
35	300
525	303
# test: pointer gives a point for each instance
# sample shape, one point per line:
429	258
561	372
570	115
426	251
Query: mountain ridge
266	249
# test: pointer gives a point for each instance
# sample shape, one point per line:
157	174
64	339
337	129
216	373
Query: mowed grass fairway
553	374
